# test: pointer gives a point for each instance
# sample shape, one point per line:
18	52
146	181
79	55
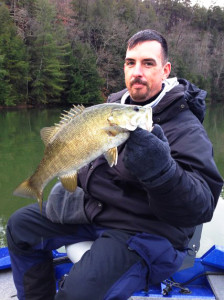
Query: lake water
21	150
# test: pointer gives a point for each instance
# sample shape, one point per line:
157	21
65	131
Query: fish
81	136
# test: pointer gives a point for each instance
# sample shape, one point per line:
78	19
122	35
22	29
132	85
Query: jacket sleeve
190	196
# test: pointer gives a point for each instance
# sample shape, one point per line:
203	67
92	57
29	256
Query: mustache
138	80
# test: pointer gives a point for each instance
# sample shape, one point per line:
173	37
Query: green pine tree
5	86
46	56
84	83
13	61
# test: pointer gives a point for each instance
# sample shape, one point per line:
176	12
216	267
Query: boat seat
193	247
75	251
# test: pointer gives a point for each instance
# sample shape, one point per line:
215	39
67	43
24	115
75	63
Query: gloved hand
147	156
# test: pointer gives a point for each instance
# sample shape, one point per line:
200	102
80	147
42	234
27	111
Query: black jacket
115	198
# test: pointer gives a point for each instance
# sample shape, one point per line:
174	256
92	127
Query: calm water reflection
21	150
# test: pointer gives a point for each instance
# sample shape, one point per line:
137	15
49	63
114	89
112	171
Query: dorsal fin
47	133
71	114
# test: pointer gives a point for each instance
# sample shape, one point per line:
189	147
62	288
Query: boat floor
8	290
7	287
217	285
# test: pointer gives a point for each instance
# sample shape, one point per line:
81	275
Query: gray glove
65	207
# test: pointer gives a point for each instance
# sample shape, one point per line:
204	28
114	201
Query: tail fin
25	189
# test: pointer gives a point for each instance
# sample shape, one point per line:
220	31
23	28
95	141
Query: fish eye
136	108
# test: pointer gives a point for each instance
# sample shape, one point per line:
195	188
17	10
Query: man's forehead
145	50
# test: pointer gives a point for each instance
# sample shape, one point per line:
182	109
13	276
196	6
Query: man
142	212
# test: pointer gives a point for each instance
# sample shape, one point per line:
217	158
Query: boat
200	276
204	280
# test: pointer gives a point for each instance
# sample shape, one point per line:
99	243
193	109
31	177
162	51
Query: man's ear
166	70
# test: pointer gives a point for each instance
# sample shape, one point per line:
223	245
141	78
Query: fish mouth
145	122
142	119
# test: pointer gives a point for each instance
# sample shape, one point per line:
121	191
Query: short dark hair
149	35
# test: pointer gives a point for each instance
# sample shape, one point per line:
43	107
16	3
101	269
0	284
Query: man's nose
137	71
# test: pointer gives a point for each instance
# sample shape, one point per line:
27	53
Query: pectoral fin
111	156
69	181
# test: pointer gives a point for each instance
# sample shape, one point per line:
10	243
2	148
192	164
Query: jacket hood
195	98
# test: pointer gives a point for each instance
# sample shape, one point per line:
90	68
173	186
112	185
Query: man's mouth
137	82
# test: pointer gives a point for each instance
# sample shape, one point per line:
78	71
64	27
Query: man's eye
129	63
148	64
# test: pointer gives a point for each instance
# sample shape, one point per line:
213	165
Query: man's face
145	70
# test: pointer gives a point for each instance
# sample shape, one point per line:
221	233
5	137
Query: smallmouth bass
82	135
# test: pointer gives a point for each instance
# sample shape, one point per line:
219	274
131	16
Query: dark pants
118	263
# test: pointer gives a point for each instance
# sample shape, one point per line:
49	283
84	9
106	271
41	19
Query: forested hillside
72	51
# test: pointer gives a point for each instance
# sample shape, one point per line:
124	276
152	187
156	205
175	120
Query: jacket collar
191	96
